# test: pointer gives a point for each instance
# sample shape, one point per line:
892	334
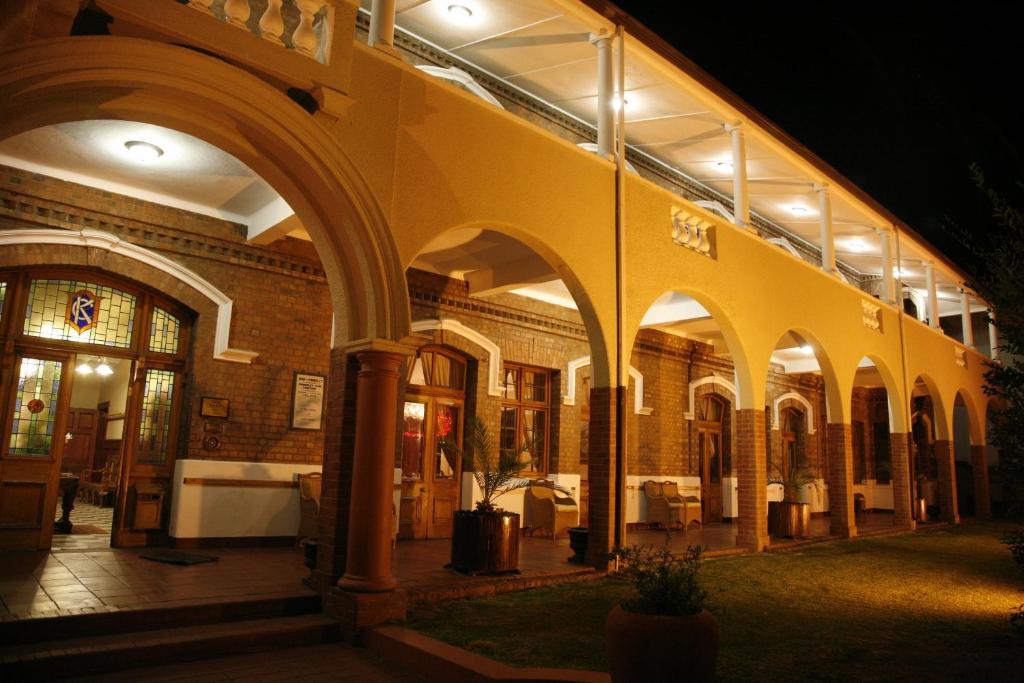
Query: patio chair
544	507
97	486
309	504
659	509
691	504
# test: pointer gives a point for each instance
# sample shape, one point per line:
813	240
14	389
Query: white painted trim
494	384
799	398
710	379
97	239
570	385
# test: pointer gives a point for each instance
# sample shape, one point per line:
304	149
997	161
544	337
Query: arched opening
971	472
932	462
523	326
681	464
881	471
805	462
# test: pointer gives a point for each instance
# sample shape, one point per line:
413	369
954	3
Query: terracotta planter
485	542
648	647
788	519
579	539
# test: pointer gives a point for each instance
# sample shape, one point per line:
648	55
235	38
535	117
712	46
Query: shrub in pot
665	632
485	540
790	517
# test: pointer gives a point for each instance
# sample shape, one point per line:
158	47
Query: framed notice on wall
308	400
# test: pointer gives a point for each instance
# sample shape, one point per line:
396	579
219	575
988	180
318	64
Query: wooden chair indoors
97	487
544	507
309	504
691	504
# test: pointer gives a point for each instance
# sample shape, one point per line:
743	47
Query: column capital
734	127
406	347
601	36
821	188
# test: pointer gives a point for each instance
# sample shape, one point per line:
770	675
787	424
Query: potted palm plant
485	540
664	632
790	517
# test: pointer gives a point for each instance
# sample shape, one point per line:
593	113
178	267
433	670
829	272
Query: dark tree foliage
999	280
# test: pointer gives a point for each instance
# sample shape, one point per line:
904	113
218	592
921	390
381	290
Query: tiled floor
73	579
85	516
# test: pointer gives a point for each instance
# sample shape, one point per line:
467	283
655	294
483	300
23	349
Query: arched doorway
93	388
432	434
714	463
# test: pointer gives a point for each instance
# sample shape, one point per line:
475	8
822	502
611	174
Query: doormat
176	557
88	529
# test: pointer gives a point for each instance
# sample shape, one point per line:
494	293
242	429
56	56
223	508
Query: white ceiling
191	174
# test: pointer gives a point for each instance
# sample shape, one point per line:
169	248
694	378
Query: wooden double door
709	451
431	466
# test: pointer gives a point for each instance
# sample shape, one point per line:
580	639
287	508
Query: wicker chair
309	504
544	507
659	509
691	504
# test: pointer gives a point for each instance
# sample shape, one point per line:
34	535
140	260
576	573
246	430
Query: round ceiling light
724	166
798	210
857	245
143	152
460	14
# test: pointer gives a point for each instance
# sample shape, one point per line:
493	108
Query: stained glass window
73	310
164	332
155	423
35	407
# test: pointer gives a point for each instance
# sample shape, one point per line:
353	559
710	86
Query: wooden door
80	440
142	506
709	449
431	466
32	448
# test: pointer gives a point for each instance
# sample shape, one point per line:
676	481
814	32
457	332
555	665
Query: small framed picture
214	407
308	400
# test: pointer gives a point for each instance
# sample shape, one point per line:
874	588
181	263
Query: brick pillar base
982	496
947	482
899	449
840	484
601	475
336	487
751	463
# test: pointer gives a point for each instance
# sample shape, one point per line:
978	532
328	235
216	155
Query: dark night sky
899	99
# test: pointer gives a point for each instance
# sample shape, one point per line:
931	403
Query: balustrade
300	25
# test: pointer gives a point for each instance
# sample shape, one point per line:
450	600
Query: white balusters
237	12
272	23
305	38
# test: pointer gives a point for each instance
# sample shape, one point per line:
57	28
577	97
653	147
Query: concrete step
43	629
72	657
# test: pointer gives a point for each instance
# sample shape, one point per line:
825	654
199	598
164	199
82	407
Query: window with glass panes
525	416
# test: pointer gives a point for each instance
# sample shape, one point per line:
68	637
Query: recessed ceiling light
724	166
617	103
143	152
798	210
857	245
460	14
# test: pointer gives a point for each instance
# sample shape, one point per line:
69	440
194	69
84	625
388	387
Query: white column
740	196
605	95
382	23
828	246
965	318
888	285
993	338
933	299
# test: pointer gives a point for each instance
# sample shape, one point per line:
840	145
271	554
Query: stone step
73	657
43	629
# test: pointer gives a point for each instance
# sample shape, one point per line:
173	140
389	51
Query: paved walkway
333	662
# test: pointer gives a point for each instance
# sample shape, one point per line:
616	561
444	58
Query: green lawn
927	606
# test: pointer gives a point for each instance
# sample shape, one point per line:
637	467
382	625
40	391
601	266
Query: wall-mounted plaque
308	401
214	407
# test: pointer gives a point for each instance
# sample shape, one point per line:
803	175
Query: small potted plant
790	517
485	540
665	631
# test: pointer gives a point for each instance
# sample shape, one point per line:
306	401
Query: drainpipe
620	281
